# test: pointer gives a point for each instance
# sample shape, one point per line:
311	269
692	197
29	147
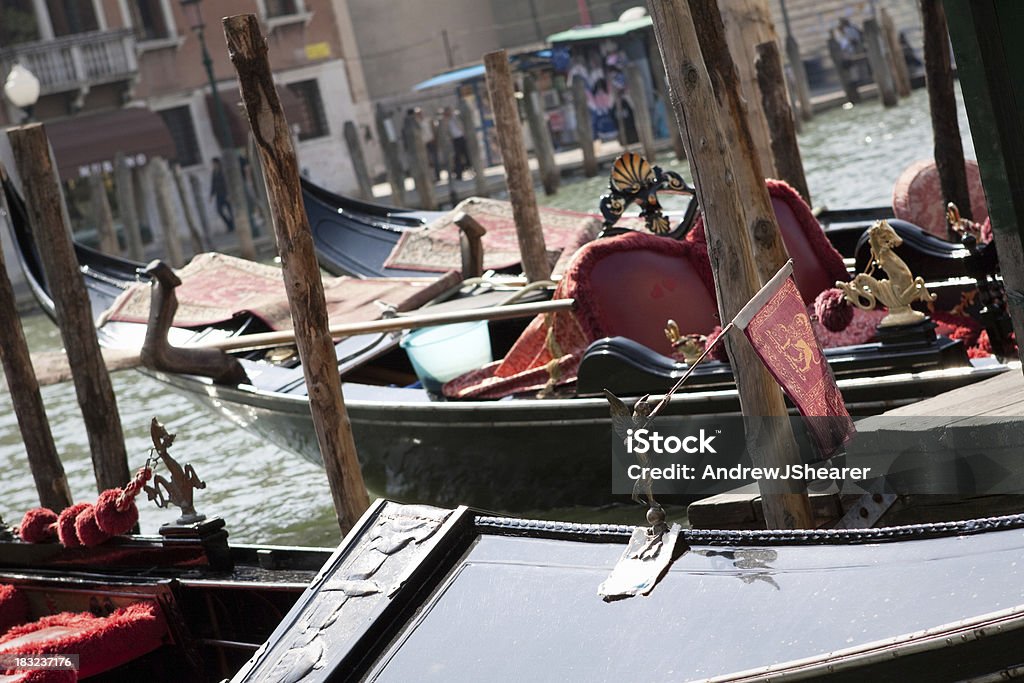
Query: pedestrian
427	131
219	193
460	151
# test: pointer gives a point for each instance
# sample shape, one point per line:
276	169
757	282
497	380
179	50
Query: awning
467	74
239	127
610	30
83	145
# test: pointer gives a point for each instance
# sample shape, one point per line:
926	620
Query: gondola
494	453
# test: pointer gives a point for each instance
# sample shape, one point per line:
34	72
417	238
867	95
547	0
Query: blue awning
476	72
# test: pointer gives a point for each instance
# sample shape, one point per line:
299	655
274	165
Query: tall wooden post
355	153
517	167
543	150
763	233
195	234
421	173
248	51
900	73
879	63
168	216
641	114
476	158
781	120
748	23
949	150
43	459
986	39
796	65
239	203
102	215
446	156
125	186
199	201
74	314
584	127
714	163
387	137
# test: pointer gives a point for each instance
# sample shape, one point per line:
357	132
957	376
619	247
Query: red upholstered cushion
41	676
816	263
13	607
917	196
102	643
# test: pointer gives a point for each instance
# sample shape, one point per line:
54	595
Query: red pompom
718	353
111	520
66	525
833	311
38	526
968	335
88	531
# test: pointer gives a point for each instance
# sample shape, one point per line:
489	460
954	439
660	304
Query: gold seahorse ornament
895	293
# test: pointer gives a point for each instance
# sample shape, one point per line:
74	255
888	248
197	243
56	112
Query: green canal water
852	158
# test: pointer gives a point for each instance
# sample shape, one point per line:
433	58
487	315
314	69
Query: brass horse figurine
895	293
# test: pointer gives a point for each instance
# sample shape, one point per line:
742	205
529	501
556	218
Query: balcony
76	62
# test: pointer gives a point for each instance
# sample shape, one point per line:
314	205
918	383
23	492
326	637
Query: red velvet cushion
102	643
13	608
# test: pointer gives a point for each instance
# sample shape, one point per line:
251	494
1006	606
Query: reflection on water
852	158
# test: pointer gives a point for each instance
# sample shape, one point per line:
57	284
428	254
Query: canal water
852	158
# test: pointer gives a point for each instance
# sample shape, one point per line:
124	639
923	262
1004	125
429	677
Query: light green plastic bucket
439	354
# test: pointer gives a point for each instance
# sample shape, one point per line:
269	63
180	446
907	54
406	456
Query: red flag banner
776	323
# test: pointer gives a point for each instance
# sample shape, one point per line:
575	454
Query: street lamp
195	19
22	89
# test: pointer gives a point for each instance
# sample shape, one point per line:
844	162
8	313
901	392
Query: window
72	16
312	122
149	19
281	8
17	23
179	122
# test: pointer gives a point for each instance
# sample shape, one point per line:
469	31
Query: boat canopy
476	72
612	29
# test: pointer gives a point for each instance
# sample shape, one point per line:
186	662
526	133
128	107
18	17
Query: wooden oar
53	368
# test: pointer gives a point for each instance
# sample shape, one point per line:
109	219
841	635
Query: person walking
460	151
219	193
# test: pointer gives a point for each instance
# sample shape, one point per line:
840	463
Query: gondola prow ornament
895	293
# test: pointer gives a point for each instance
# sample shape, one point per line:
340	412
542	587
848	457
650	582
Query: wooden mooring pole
163	185
900	72
103	216
43	459
387	138
74	313
303	285
781	119
517	167
762	231
476	157
713	161
949	149
584	127
641	112
543	150
355	153
126	208
422	176
880	69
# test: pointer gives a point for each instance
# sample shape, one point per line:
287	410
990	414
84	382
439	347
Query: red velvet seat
102	643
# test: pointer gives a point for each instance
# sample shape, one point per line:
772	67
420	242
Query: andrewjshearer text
743	473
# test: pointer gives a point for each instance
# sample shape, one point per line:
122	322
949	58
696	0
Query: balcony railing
76	62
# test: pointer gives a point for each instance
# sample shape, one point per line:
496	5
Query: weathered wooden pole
781	120
102	215
879	63
900	73
43	459
195	235
641	113
949	150
446	155
747	23
162	184
722	191
422	176
355	153
476	158
661	87
517	167
387	137
763	233
74	314
199	201
584	127
239	202
796	65
543	150
842	70
248	51
126	208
